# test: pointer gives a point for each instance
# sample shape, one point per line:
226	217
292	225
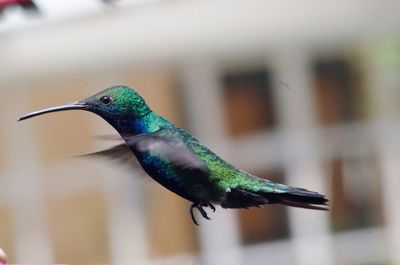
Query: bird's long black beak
78	105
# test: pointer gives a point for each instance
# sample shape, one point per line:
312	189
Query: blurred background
306	93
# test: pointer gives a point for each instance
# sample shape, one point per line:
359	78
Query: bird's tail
297	197
245	197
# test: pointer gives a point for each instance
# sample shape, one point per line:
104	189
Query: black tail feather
300	198
295	197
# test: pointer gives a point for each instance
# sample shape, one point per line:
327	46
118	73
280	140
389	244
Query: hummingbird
178	161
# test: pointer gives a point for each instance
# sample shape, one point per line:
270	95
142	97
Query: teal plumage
179	162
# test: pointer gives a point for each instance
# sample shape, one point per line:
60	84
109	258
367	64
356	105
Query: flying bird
178	161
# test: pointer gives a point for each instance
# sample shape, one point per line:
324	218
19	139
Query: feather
121	154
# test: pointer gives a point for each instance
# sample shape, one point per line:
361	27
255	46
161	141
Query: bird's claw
199	207
208	204
212	207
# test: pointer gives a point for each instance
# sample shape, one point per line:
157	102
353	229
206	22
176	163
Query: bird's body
180	163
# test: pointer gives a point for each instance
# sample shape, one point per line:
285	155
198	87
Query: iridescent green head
117	101
119	105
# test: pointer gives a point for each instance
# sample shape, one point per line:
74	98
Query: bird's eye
106	100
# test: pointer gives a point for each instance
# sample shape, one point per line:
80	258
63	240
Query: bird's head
116	104
119	102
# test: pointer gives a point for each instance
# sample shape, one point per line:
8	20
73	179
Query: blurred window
249	102
269	223
338	91
357	193
170	229
78	226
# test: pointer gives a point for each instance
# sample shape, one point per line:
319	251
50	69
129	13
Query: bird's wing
120	153
173	150
109	137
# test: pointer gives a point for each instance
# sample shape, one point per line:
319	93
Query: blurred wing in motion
121	154
170	149
173	150
109	137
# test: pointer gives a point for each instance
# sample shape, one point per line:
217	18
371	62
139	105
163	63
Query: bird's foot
208	204
199	207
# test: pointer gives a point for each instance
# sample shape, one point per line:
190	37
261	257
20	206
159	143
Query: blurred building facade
307	95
